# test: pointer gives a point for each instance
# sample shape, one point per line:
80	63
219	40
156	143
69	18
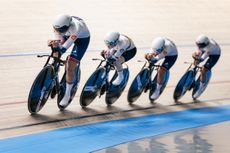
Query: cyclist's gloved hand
53	43
153	60
196	62
103	53
148	56
112	59
201	60
60	49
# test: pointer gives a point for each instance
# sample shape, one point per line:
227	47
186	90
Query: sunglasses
62	29
113	43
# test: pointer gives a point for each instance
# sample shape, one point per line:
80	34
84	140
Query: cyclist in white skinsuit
207	48
68	31
162	48
120	49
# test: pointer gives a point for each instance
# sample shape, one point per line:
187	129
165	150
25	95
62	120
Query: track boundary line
91	50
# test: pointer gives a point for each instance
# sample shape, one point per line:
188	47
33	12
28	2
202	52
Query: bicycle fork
43	95
55	84
105	82
148	84
45	91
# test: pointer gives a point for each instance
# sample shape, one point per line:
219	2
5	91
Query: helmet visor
62	29
201	45
159	50
111	44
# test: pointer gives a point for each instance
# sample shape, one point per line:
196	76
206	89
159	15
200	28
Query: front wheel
183	85
92	87
40	90
138	85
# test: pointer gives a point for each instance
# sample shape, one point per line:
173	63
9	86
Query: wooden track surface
26	26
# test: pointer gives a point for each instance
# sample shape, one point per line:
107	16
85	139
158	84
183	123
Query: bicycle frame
44	83
151	68
56	65
195	69
143	81
108	66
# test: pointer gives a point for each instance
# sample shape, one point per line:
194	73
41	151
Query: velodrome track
26	25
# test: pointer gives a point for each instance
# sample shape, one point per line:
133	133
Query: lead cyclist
68	31
207	48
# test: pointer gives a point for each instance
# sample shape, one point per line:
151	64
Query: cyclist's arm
121	47
108	52
150	55
197	54
112	51
160	56
154	57
119	53
204	56
72	38
69	41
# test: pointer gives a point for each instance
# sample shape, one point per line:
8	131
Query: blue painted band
87	138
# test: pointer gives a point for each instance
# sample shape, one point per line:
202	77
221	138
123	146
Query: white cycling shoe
119	78
156	94
199	91
65	99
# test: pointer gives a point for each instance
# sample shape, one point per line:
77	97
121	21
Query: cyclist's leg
74	59
208	66
129	54
167	64
126	56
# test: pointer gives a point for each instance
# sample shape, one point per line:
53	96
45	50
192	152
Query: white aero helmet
202	41
111	38
158	44
62	22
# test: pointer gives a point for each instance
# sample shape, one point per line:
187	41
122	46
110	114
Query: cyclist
119	49
68	31
162	48
207	48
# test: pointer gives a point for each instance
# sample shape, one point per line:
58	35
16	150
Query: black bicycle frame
151	68
56	64
195	70
108	66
